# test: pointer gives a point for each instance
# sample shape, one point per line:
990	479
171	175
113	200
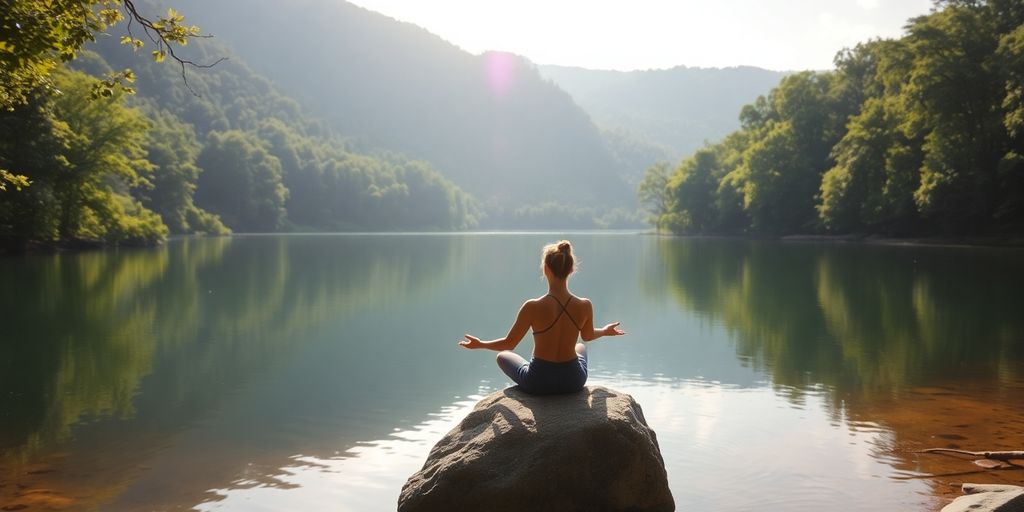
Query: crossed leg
511	363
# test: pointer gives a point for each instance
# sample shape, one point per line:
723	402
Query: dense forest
922	135
223	151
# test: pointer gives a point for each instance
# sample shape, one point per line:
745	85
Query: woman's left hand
470	342
612	329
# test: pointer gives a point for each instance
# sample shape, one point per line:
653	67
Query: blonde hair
557	257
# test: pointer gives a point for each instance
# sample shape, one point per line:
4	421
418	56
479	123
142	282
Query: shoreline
1015	241
30	247
8	247
938	241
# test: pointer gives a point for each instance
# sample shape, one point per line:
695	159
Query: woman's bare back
557	323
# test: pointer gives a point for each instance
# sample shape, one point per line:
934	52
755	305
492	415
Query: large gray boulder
584	451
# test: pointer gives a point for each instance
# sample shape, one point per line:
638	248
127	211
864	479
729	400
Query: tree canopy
36	37
916	135
83	157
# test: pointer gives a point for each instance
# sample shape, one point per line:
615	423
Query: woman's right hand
470	341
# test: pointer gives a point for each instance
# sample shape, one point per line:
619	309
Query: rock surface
988	498
976	488
584	451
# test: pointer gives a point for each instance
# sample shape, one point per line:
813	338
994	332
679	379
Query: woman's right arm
588	333
509	342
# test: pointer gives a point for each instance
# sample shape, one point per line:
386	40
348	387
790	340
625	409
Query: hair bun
558	259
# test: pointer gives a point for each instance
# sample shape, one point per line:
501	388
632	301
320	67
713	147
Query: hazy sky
644	34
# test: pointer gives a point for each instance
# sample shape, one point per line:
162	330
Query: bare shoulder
586	309
531	304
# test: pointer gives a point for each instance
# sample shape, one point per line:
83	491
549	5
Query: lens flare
500	72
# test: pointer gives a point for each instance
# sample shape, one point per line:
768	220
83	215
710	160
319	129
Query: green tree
1011	61
872	184
1010	205
172	149
83	157
241	182
953	90
693	189
771	171
786	151
105	159
33	142
654	193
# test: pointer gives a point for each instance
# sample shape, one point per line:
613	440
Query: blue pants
540	377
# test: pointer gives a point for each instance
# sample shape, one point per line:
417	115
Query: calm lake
314	372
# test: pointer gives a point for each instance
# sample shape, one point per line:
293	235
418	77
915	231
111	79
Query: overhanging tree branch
164	32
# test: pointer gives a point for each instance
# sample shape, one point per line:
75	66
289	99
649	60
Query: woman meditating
559	363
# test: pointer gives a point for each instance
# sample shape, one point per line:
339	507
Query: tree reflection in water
89	328
926	341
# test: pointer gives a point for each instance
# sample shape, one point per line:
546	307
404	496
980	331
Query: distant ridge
678	108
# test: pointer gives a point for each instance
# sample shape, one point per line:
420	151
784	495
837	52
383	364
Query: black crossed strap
564	311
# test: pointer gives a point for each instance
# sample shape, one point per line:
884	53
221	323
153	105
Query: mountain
678	109
263	162
491	123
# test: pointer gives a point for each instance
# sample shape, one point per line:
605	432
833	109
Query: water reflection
213	315
285	372
367	476
880	328
717	458
858	318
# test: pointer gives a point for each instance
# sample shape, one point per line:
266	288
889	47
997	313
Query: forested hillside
225	151
677	109
330	185
921	135
489	122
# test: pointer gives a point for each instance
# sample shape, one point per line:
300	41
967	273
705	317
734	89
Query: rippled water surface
315	372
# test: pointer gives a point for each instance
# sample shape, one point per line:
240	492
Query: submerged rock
590	450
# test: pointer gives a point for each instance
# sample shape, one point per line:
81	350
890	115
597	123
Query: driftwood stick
1004	455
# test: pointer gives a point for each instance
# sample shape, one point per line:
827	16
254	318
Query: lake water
315	372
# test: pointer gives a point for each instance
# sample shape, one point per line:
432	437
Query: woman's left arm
509	342
588	333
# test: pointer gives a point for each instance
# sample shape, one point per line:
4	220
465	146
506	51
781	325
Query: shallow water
315	372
